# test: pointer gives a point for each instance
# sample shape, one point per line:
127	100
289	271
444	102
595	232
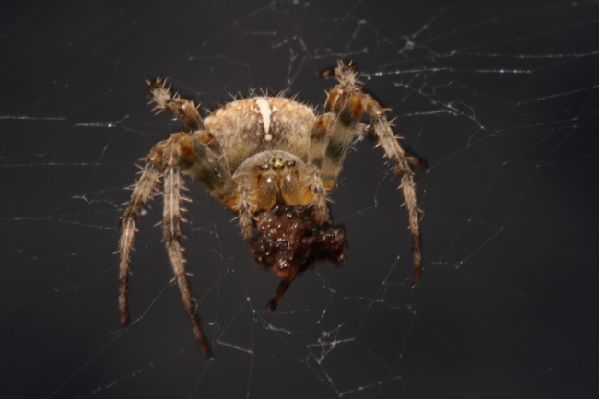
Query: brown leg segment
173	184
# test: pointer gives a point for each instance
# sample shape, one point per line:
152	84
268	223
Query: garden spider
273	162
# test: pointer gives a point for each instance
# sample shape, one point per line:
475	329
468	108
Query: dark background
500	99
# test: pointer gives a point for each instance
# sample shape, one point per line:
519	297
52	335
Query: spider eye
290	163
277	164
264	166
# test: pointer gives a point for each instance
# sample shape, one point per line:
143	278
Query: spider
271	160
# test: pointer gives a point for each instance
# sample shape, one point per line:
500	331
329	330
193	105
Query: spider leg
348	103
203	159
333	132
173	184
401	162
144	189
318	139
185	110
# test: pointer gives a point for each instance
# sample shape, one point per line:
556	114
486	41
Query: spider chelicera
273	161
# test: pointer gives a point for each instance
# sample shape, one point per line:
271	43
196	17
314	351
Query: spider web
499	98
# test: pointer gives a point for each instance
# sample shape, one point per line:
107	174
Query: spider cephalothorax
273	161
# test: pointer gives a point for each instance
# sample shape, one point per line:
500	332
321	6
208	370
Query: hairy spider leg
348	103
165	159
173	184
165	100
144	189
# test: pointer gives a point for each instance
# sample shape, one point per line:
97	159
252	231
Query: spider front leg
202	155
347	103
381	128
144	189
168	158
173	184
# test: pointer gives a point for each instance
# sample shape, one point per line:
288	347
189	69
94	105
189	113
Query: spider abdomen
249	126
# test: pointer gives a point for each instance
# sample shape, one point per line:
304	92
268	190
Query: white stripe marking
265	111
